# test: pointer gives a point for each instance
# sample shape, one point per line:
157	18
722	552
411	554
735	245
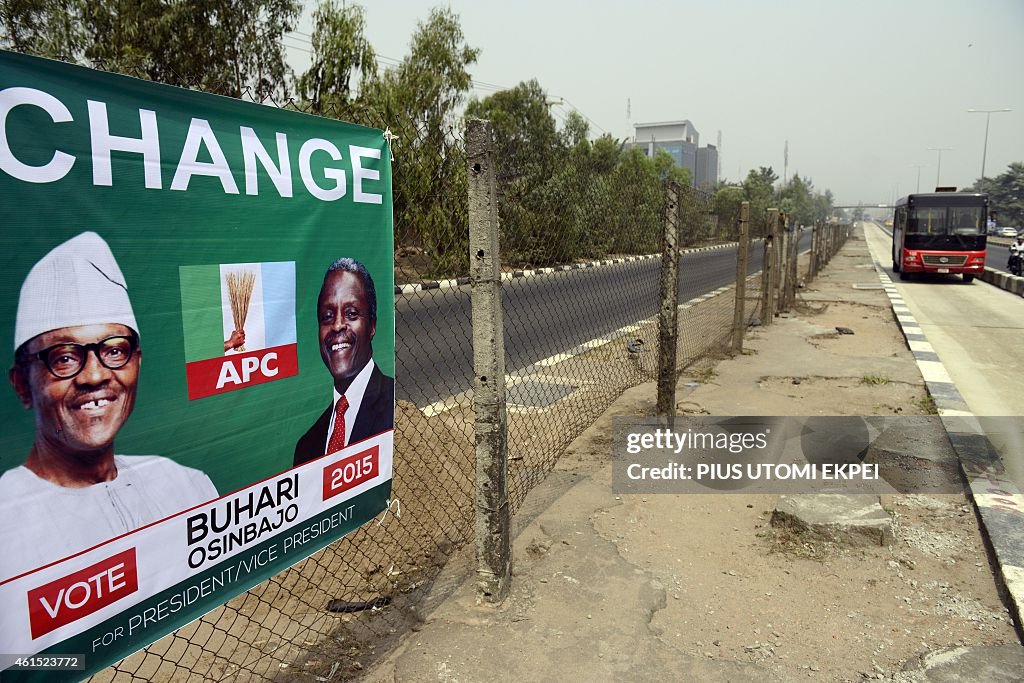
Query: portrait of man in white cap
76	365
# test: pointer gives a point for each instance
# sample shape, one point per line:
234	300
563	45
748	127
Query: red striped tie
337	441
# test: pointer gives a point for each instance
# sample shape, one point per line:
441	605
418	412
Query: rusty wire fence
580	292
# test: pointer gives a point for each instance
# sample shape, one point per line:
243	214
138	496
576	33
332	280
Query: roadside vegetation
564	194
1006	195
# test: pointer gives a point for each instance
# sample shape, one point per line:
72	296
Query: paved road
997	255
978	332
544	315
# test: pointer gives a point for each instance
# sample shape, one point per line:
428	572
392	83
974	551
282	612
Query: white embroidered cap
77	283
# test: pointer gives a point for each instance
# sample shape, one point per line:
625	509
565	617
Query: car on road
1006	232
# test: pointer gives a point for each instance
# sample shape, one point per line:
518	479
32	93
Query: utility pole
938	169
718	169
988	115
785	163
918	167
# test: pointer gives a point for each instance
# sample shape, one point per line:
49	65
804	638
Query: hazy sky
860	89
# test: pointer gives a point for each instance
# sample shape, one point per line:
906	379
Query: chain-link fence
579	237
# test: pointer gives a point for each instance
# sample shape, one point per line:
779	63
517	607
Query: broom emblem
240	285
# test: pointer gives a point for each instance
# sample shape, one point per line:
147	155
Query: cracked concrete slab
996	664
837	518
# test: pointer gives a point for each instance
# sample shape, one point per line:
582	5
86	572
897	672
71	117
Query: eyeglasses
67	359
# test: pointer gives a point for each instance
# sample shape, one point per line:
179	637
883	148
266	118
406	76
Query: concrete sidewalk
611	587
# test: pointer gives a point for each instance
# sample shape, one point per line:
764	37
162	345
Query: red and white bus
940	232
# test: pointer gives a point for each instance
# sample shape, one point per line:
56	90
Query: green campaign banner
197	304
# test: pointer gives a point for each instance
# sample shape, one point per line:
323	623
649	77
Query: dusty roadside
701	587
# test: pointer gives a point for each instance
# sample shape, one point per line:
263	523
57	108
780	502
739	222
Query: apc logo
78	595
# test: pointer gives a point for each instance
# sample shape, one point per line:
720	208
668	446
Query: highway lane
996	255
977	331
543	316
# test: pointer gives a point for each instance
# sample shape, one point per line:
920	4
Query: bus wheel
895	266
968	279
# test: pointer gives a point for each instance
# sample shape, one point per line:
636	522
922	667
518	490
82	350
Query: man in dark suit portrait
364	397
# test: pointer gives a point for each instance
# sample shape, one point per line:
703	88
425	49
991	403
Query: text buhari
238	160
234	522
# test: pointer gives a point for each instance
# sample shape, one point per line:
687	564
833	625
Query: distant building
682	142
706	177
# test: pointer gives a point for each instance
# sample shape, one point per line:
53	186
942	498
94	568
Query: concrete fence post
668	314
784	240
493	519
815	240
767	283
794	271
773	264
810	260
739	316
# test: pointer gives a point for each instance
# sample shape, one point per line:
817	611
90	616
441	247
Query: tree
537	186
726	205
41	27
228	47
526	140
1006	195
758	189
419	101
576	131
341	52
797	201
823	202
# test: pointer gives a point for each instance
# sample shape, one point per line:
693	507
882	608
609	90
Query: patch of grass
926	404
874	380
702	374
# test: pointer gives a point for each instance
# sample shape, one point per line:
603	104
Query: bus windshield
941	220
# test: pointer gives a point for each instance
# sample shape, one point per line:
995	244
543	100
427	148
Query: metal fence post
493	548
668	315
739	316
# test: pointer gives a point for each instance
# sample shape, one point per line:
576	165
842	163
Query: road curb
1010	283
505	277
998	504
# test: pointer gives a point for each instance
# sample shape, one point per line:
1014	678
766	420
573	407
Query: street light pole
918	167
938	170
988	115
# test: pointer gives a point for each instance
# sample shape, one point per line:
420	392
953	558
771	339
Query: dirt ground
724	595
810	608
